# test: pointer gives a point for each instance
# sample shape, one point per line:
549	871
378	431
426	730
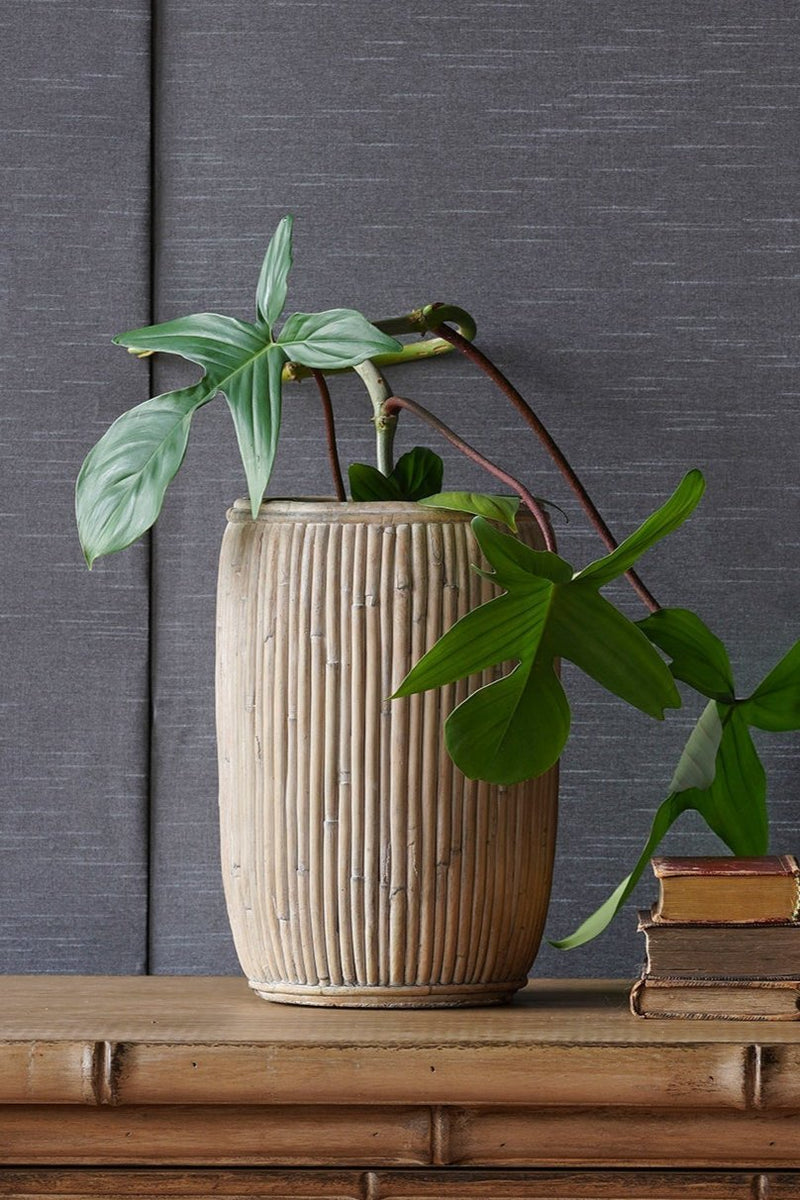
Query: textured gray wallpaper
610	188
74	680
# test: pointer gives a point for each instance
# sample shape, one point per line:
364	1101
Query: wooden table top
197	1009
192	1040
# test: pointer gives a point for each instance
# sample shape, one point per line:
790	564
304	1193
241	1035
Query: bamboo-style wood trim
198	1184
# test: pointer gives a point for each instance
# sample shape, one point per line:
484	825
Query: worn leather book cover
727	889
716	999
761	950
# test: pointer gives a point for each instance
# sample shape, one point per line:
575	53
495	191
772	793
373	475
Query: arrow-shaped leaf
721	776
515	727
121	485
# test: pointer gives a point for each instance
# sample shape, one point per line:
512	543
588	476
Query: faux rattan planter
360	867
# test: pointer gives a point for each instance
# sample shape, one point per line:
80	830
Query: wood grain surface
115	1184
152	1072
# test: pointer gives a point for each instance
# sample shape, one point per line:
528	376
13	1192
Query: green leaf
515	727
121	485
414	476
734	805
367	483
241	362
697	764
775	704
514	563
732	802
418	473
254	398
340	337
219	344
272	282
485	637
663	521
494	508
666	815
512	729
590	632
698	657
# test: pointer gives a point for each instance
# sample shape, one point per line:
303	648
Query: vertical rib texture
359	865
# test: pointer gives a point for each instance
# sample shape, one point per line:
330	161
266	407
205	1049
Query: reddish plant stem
476	356
396	402
330	433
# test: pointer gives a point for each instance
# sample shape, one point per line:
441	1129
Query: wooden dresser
192	1087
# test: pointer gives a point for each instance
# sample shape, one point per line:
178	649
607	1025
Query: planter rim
326	510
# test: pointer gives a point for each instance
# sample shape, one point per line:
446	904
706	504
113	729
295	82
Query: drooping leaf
494	508
732	803
698	657
666	815
254	398
664	520
272	282
367	483
340	337
515	727
775	704
121	485
242	362
418	473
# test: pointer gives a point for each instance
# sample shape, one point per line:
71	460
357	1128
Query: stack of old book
723	940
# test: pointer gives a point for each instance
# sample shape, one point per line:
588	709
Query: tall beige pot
360	867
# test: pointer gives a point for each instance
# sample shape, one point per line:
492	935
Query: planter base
453	995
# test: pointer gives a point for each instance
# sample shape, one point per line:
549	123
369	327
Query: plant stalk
559	458
330	434
396	402
385	422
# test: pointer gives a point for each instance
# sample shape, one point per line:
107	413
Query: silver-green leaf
273	280
121	485
340	337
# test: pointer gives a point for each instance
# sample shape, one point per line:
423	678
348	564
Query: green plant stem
385	423
396	402
330	434
559	458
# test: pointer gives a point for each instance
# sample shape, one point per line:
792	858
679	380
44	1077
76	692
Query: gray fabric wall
610	188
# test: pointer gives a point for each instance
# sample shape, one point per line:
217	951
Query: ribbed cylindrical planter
360	867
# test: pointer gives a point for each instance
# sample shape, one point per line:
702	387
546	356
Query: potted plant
362	863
